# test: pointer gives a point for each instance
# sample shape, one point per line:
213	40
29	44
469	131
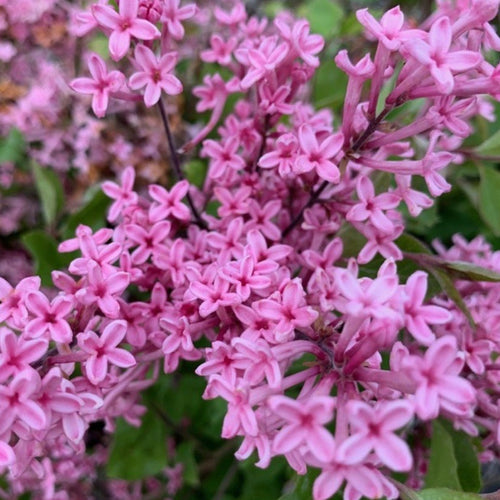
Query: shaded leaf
468	468
50	192
43	249
303	487
489	199
138	452
92	214
443	467
324	16
471	272
195	172
184	454
490	147
12	147
446	494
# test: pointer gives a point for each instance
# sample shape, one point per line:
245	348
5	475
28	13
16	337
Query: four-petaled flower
156	75
102	350
101	85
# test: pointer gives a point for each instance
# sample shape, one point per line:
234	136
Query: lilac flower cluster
317	361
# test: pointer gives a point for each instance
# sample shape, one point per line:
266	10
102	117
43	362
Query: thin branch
177	164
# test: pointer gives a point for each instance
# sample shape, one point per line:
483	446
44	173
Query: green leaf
184	454
92	214
443	466
489	199
446	283
471	272
196	171
50	192
446	494
12	147
43	249
138	452
490	147
468	468
99	44
303	487
329	86
324	16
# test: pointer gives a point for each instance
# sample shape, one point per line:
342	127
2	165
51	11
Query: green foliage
92	213
195	172
50	192
302	487
12	147
446	494
43	249
489	199
453	460
324	16
490	147
138	452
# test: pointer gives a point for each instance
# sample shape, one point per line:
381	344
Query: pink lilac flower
373	430
169	203
50	318
124	25
435	54
263	60
305	422
317	156
305	44
439	384
123	195
419	316
100	86
156	75
102	350
173	14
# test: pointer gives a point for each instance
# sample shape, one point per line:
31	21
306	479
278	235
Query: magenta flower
173	15
169	203
124	24
50	317
305	422
373	430
101	85
318	156
221	50
151	242
103	350
289	310
156	75
123	195
223	157
371	207
417	316
103	290
438	381
282	156
435	55
263	60
305	44
16	401
16	353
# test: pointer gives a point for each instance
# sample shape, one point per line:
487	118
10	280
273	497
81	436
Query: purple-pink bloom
373	429
124	24
317	156
50	317
305	421
101	85
156	75
123	196
102	350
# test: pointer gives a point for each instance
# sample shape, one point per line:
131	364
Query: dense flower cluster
318	361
